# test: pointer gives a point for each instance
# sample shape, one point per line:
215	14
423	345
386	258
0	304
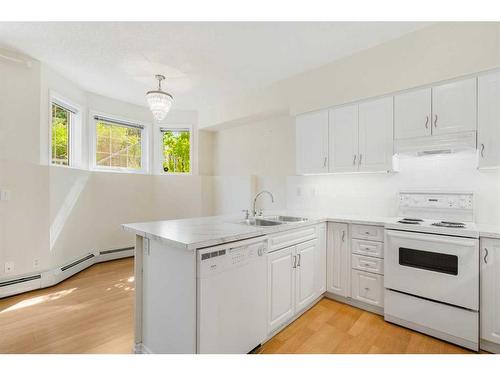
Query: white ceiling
205	63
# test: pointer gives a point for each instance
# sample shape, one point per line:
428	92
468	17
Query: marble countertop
195	233
488	230
201	232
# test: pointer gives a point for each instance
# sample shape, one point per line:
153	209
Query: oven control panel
445	201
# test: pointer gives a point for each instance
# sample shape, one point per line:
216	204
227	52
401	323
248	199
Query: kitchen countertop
488	230
195	233
201	232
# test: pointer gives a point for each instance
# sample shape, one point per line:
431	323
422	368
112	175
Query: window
118	144
60	134
176	150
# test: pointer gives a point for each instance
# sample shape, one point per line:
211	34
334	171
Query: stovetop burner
449	224
410	221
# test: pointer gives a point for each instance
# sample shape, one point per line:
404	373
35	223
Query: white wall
56	214
264	149
377	194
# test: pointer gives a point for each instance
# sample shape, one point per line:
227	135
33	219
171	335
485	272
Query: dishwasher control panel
214	260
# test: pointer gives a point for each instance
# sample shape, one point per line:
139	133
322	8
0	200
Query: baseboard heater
20	280
104	252
77	262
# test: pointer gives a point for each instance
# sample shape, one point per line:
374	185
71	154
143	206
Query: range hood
436	144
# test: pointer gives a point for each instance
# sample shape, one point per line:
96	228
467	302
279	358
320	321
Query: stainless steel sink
260	222
285	219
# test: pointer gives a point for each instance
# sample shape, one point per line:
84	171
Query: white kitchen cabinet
490	291
368	287
281	287
376	129
412	114
312	142
343	139
489	120
338	259
305	291
454	107
320	259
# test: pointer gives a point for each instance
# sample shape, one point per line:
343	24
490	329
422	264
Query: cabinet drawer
368	232
291	237
368	287
370	248
370	264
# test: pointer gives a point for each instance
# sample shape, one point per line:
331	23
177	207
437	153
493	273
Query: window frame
74	128
172	127
93	144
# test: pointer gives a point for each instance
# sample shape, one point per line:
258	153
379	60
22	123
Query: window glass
176	150
118	146
61	119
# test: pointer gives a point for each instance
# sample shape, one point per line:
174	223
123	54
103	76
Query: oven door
437	267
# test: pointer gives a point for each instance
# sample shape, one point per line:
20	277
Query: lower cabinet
338	267
368	287
320	261
292	283
490	293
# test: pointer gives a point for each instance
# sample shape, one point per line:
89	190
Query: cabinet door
305	291
412	114
490	290
320	261
343	139
312	142
489	120
281	287
376	135
368	287
454	107
338	266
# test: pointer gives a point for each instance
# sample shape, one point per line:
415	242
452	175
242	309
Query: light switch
5	195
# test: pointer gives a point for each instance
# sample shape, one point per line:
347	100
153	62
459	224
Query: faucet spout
254	211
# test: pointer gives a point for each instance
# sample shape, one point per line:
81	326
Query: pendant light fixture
159	101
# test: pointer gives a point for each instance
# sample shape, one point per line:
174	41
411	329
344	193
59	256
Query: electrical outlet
36	263
299	191
9	267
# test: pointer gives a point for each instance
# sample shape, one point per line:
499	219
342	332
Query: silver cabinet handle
343	236
294	262
486	255
324	162
360	158
435	121
354	160
482	150
298	261
427	122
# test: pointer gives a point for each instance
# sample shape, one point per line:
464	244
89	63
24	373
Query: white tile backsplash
376	194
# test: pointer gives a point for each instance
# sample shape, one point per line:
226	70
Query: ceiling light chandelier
159	101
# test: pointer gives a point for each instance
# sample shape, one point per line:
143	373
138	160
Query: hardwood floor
333	327
92	312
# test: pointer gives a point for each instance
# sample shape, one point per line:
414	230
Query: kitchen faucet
254	211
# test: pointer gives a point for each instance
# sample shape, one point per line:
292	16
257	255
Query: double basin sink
269	221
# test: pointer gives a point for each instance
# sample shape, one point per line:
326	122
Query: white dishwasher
232	297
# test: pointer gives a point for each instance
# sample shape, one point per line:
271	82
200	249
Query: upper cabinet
343	139
445	109
376	135
454	107
489	120
412	114
361	136
312	142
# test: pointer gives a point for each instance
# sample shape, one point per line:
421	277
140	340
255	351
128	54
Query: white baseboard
56	275
142	349
360	305
489	346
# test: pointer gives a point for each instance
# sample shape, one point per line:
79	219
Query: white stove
431	262
436	226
